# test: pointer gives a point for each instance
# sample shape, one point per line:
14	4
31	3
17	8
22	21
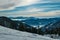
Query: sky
28	8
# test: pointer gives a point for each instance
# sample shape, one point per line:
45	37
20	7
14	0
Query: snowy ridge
10	34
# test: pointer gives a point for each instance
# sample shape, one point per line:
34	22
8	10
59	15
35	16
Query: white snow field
10	34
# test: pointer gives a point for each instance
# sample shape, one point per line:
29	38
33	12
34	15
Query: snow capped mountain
10	34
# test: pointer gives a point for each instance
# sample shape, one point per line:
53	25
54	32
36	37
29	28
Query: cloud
33	9
27	2
34	14
5	4
29	8
43	14
53	1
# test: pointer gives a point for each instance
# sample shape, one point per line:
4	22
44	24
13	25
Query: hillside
52	28
10	34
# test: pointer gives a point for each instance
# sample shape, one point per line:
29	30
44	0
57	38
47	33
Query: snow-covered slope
10	34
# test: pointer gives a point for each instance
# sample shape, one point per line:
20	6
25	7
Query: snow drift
10	34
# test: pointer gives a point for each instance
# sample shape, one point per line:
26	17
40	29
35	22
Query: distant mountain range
17	25
33	21
7	22
50	25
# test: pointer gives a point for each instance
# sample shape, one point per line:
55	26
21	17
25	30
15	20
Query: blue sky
35	8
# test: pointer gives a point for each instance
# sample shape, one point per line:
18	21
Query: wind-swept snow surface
10	34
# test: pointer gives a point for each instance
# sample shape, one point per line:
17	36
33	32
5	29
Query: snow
55	36
10	34
18	19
